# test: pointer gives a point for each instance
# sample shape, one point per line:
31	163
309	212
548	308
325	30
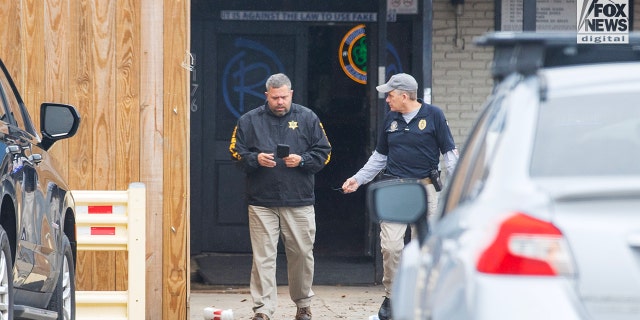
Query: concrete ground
330	302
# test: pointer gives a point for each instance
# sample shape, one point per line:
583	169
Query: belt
386	176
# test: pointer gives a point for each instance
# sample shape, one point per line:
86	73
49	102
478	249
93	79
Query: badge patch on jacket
422	124
394	126
293	125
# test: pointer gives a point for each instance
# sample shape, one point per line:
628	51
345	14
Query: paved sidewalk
330	302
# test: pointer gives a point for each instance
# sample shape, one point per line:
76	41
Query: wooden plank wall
119	62
175	228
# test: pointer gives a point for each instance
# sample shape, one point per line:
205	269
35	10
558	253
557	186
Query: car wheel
63	300
6	277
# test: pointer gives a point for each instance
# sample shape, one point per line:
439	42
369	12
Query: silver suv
541	218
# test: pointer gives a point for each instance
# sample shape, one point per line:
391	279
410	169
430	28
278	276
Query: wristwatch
301	162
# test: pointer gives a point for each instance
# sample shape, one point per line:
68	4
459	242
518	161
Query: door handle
634	239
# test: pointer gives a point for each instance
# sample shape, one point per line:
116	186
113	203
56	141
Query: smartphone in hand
282	150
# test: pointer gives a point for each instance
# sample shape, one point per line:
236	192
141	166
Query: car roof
527	52
604	77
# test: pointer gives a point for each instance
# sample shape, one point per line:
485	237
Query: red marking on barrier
103	231
100	209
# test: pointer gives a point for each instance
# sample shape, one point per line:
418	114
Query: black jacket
259	130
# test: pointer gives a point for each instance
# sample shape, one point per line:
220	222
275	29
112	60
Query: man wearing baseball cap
400	81
412	138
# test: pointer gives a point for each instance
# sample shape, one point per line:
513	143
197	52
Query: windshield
588	135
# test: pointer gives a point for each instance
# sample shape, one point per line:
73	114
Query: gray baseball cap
400	81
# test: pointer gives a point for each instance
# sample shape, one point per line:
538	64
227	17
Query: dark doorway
232	63
233	57
340	102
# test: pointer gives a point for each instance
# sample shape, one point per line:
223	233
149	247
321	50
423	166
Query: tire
6	277
63	300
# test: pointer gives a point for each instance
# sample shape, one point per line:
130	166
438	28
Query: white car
541	219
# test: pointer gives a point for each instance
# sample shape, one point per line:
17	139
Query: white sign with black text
603	21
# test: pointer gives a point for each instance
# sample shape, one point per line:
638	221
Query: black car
37	219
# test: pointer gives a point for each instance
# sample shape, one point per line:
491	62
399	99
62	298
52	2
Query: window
588	135
3	100
472	169
12	104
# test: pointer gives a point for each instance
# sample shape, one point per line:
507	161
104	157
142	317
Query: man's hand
266	160
350	185
292	161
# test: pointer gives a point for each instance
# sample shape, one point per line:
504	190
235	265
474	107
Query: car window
13	106
3	102
588	135
472	169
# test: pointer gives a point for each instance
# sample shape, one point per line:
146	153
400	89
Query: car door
445	277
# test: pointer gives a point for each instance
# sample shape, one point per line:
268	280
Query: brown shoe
303	313
260	316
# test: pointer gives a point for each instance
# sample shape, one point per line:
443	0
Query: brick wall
461	70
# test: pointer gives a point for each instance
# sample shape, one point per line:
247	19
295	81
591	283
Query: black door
341	103
232	62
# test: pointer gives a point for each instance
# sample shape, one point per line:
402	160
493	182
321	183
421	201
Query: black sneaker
385	310
260	316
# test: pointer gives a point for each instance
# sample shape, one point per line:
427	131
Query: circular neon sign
352	54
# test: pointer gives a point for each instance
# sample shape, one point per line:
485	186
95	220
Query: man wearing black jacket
280	192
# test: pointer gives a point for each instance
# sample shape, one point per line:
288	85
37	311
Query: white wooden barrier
113	220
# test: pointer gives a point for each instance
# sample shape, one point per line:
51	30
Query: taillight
526	246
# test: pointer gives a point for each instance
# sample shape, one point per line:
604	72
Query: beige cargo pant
392	241
297	227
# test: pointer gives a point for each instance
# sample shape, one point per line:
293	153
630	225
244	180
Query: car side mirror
57	122
400	201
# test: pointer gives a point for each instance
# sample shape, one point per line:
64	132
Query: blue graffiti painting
234	78
395	66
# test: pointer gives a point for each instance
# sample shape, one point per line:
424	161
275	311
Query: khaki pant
297	227
392	241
